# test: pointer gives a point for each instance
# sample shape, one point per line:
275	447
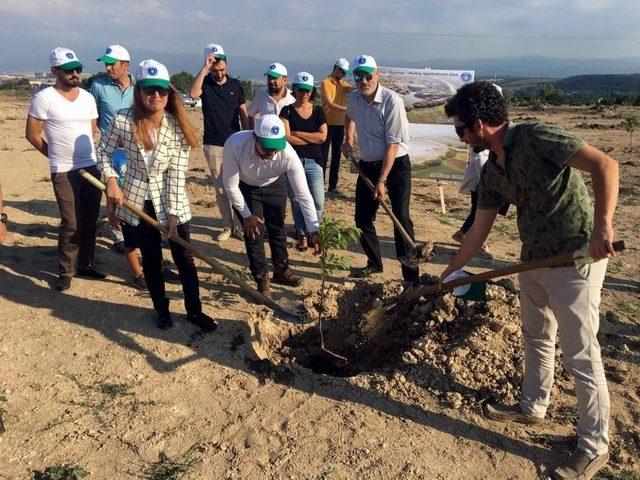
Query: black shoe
164	321
204	321
282	275
170	276
63	283
118	247
335	193
90	272
364	272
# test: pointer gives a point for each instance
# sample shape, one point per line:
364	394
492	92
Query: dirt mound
462	352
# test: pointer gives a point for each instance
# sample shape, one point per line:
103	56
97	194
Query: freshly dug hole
462	352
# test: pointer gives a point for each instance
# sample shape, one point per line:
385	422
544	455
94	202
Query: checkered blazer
165	179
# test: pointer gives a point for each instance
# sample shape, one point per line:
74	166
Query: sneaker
63	283
458	236
118	247
580	466
484	252
224	235
334	193
282	275
90	272
364	272
262	285
509	413
204	321
139	282
164	321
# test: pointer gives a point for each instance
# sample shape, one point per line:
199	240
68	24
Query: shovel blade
421	253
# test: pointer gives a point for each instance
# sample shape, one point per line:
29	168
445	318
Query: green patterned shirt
555	213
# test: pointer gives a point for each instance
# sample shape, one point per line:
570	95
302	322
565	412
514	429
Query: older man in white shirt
253	166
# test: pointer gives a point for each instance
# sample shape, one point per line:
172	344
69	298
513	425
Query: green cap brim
303	86
70	65
153	82
273	74
273	143
364	69
107	59
221	56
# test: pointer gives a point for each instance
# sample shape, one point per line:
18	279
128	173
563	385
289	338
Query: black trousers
335	136
268	203
151	248
399	192
472	214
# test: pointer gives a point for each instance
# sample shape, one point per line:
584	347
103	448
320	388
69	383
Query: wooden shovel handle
411	295
217	267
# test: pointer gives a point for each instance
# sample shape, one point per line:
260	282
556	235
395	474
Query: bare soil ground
90	380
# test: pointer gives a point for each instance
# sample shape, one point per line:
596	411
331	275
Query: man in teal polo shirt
114	92
537	167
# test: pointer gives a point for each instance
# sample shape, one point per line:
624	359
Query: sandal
302	243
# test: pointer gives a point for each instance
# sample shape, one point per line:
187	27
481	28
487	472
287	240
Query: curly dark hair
478	100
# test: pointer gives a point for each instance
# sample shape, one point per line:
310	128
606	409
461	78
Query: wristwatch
3	218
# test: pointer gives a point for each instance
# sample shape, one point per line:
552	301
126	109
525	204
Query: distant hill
600	84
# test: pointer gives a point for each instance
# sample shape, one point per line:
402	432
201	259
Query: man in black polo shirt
225	112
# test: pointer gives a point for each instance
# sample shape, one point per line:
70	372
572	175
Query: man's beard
273	88
70	82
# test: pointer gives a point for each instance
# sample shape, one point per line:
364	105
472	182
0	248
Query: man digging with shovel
535	166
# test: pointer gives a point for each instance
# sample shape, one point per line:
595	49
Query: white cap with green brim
303	81
64	58
343	64
277	70
215	50
365	63
113	53
151	73
270	132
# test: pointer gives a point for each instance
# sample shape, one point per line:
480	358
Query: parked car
190	102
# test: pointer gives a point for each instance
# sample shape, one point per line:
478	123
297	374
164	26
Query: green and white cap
304	81
64	58
471	292
343	64
113	53
215	50
277	70
365	63
270	132
151	73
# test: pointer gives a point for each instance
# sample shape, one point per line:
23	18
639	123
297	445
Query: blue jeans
315	180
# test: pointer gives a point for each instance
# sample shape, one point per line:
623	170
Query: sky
405	31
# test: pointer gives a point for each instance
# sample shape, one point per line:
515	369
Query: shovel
579	257
217	267
418	252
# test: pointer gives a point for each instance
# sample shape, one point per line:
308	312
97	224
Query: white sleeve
94	106
231	180
38	107
298	181
254	106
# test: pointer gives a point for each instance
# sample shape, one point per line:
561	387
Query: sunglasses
460	130
358	77
150	91
71	70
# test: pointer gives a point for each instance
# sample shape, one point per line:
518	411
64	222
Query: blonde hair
174	107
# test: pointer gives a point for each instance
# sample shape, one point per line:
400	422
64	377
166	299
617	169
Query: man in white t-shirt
275	97
68	116
253	166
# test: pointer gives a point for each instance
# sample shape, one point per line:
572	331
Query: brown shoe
282	275
580	467
458	236
262	284
509	413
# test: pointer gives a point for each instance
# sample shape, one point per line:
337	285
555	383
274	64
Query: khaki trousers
565	301
213	155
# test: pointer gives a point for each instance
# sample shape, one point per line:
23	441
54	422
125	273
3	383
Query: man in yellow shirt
334	101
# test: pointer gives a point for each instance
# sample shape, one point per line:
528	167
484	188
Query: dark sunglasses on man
152	91
71	70
460	130
360	76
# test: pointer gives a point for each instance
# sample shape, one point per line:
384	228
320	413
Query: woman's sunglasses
155	89
358	77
